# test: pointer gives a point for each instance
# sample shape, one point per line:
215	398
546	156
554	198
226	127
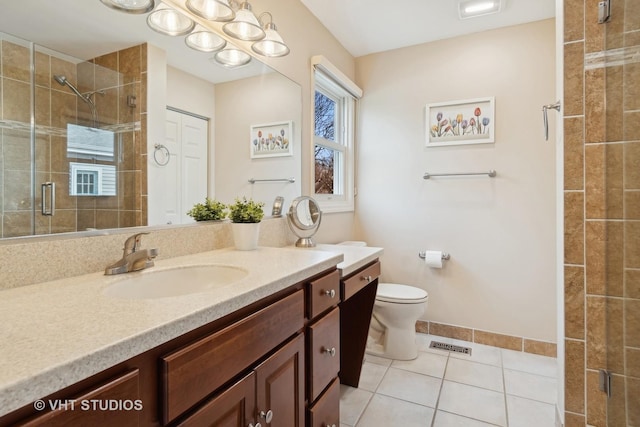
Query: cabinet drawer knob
330	293
256	425
366	278
331	351
268	416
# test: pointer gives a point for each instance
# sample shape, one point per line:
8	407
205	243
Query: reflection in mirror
90	83
82	144
304	219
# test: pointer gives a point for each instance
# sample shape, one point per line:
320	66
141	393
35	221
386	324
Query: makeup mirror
304	219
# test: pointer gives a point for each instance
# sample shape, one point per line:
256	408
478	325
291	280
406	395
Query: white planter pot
245	235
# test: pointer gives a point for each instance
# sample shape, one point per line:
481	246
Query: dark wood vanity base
358	291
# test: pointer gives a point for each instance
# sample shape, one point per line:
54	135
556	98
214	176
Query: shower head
60	79
63	81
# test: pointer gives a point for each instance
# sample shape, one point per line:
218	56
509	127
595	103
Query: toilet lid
393	292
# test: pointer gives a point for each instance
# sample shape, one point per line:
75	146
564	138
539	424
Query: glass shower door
17	149
621	211
70	141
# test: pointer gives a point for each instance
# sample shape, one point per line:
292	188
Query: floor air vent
450	347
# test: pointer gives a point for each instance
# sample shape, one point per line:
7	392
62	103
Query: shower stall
601	109
72	153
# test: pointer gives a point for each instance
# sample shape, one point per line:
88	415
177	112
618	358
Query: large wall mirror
106	124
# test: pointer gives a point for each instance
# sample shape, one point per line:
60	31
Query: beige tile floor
492	387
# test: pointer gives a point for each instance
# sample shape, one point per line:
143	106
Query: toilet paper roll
433	259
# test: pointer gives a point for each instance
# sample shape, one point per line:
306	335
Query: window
334	129
86	183
92	179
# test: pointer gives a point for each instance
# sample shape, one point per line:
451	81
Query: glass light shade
205	41
131	6
272	44
232	57
473	8
245	25
170	22
213	10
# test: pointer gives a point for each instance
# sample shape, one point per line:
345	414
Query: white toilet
397	308
392	333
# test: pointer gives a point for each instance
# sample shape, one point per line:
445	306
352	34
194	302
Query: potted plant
245	217
210	210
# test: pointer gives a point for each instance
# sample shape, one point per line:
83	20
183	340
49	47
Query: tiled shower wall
117	74
601	108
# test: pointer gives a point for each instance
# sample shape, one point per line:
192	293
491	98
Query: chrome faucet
133	258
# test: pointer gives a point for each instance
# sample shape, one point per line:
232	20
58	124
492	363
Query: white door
184	178
194	163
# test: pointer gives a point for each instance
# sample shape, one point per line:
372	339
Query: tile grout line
504	389
373	393
444	373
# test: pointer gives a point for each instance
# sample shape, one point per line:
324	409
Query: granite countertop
57	333
355	257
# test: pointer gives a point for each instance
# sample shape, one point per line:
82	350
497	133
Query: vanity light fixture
232	57
245	25
204	40
169	21
131	6
213	10
240	23
473	8
272	44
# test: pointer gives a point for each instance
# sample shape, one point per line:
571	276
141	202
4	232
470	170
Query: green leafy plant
207	211
246	211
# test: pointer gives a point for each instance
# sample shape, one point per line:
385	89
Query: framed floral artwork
470	121
271	140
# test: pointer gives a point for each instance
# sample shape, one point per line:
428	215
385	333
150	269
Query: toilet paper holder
445	255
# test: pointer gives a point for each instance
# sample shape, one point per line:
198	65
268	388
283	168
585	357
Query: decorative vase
245	235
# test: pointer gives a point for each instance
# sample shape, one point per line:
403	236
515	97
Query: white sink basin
172	282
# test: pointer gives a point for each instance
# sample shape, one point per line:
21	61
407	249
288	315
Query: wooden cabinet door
280	387
234	407
96	407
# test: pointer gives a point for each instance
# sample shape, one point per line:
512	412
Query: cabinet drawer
324	293
79	411
195	371
234	406
326	411
324	352
359	280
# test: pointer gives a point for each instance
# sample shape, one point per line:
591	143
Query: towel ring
160	147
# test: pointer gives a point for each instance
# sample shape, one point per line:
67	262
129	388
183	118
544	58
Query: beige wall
306	37
269	98
500	232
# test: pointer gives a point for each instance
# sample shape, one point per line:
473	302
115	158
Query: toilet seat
400	294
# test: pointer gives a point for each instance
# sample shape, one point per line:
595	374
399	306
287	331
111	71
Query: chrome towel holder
491	174
167	155
289	180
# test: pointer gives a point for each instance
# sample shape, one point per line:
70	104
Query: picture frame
271	140
469	121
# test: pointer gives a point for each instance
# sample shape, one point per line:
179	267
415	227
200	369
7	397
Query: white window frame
106	176
331	82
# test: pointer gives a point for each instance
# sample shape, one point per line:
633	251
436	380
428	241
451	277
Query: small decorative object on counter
245	216
277	206
210	210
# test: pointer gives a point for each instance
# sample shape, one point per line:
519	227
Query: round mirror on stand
304	218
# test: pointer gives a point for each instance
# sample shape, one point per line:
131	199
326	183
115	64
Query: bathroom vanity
265	349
